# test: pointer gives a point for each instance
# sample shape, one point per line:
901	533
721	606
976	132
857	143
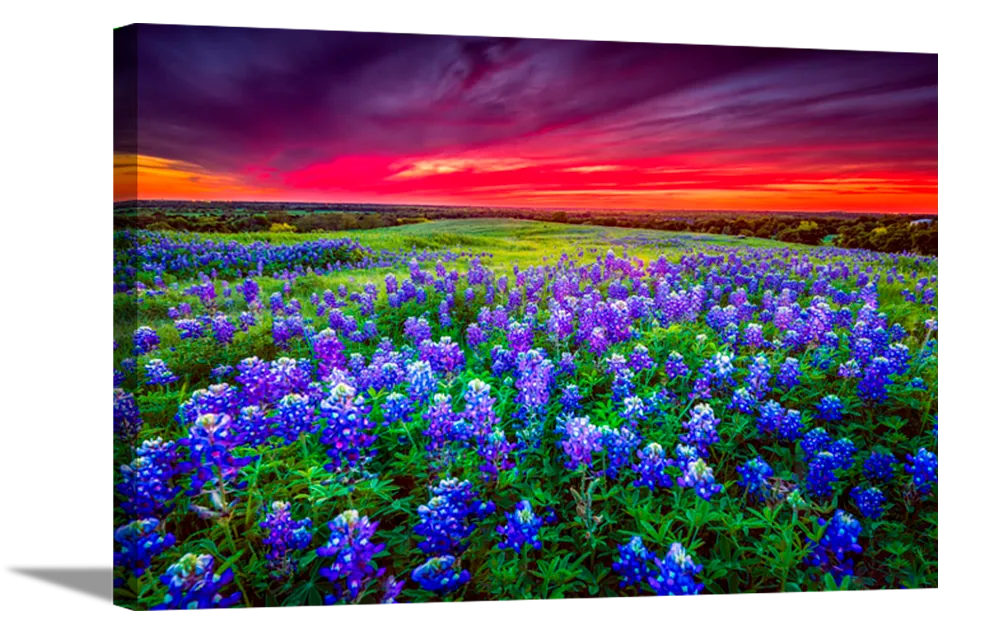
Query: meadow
506	409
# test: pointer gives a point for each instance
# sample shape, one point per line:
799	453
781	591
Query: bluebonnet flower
790	427
821	474
445	521
138	542
127	420
849	369
283	537
329	352
350	545
495	450
582	440
699	476
223	329
145	340
534	380
346	433
442	575
157	373
743	401
190	328
674	573
836	548
397	407
769	417
754	475
872	387
148	481
619	444
759	377
570	399
788	374
220	372
843	451
294	416
634	563
879	466
674	366
211	463
923	468
422	382
700	428
192	584
815	441
830	408
652	468
521	529
869	501
640	360
417	330
391	589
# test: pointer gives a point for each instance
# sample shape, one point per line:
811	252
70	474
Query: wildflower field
498	409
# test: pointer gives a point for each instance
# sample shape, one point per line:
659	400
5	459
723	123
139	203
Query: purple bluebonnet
521	528
145	340
294	416
211	463
581	440
192	584
284	536
652	468
138	542
634	563
836	548
674	366
674	573
570	399
754	476
699	477
923	467
442	575
870	501
353	569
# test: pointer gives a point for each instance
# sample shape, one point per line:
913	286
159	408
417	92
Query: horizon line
516	208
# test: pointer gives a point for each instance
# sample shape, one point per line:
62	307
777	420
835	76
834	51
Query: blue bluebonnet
158	373
652	468
770	416
634	563
442	575
754	475
521	528
674	573
875	378
619	445
743	401
138	542
815	441
836	548
570	399
700	428
788	374
192	584
210	442
422	382
346	433
820	475
127	420
699	476
923	467
880	466
843	451
352	570
283	537
294	416
870	501
830	408
397	408
446	521
148	481
675	366
790	427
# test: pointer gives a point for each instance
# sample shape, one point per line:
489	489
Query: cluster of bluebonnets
426	427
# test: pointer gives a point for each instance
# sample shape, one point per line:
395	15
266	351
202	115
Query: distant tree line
889	233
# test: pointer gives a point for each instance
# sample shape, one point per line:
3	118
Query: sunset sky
254	114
